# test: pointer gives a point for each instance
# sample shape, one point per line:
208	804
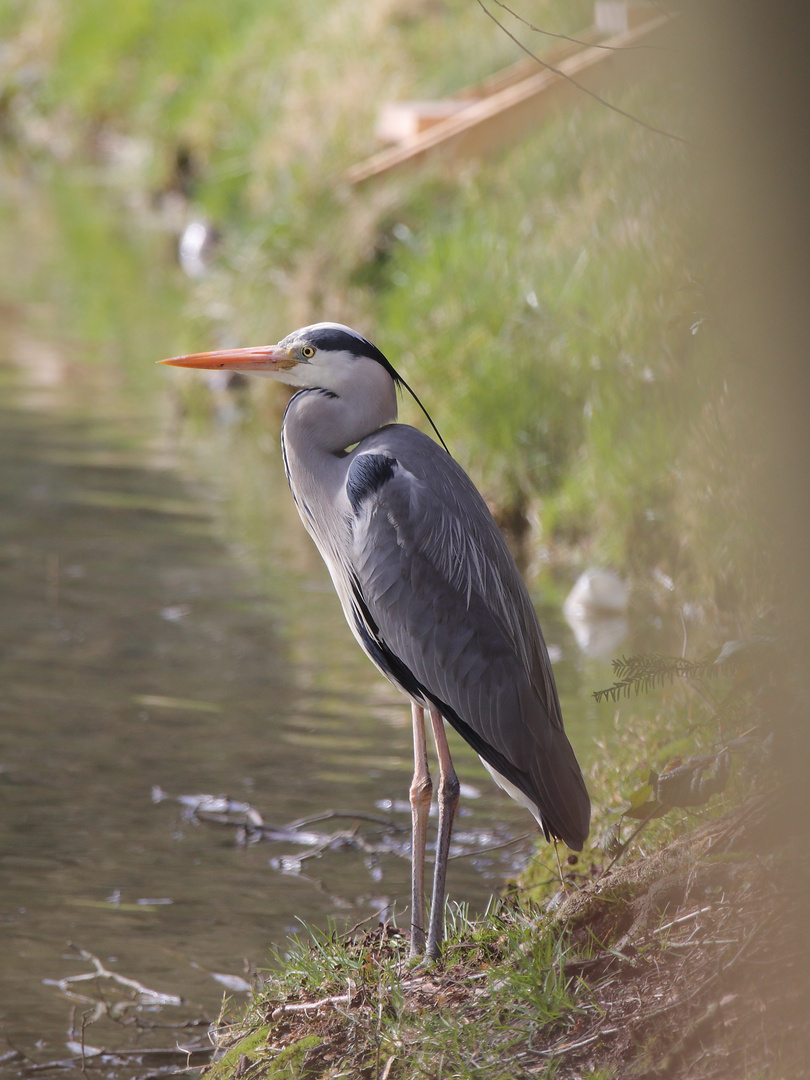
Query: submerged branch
144	996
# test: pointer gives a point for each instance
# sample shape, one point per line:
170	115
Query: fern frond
646	671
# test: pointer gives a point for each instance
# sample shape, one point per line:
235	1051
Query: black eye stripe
331	340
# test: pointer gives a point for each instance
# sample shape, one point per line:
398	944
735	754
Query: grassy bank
654	971
670	956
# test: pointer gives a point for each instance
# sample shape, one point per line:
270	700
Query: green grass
501	984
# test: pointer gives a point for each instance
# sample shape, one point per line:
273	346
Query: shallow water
152	648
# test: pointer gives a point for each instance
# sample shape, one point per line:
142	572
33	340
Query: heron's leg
448	804
421	794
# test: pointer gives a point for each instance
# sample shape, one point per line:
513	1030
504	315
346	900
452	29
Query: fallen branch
306	1006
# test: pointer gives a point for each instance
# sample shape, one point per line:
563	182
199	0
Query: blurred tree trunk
751	103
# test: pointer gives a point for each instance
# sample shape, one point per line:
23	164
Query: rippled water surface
162	635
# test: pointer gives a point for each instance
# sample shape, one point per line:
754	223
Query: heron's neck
320	424
327	420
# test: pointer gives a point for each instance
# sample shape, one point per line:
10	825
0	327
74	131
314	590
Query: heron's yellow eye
307	351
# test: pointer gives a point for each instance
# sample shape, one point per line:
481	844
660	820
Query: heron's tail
558	799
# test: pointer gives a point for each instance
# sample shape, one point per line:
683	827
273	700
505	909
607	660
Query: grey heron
427	585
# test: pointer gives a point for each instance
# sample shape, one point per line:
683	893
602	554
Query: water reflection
596	611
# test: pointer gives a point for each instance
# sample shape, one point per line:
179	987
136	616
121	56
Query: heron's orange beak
260	358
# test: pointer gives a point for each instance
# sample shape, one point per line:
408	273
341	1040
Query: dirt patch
707	981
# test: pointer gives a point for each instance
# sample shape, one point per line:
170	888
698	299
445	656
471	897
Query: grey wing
439	605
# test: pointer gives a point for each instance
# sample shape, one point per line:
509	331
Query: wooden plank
488	125
400	120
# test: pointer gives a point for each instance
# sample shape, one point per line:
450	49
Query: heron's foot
421	964
419	956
